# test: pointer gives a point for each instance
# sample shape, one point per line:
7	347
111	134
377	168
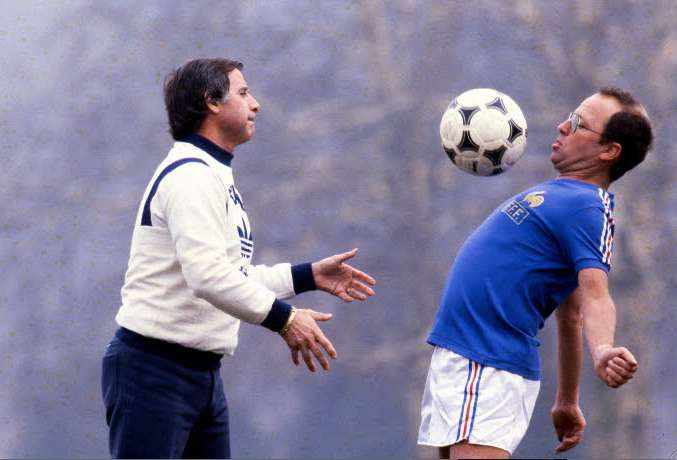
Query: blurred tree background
346	155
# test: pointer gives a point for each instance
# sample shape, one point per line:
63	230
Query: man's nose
254	104
564	128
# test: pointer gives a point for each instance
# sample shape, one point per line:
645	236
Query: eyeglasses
575	120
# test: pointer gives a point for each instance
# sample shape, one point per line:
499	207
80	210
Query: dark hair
631	128
188	89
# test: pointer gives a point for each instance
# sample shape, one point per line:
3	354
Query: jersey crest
535	199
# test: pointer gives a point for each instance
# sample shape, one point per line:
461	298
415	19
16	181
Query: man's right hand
569	424
614	365
306	337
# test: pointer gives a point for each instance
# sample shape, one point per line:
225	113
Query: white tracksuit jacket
189	279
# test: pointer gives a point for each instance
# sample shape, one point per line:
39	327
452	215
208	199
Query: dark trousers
163	400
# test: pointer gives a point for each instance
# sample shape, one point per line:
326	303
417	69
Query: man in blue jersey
546	249
190	281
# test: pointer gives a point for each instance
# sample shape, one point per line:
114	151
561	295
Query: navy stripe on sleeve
145	216
278	316
302	275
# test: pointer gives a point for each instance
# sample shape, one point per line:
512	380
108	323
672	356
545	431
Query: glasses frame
575	120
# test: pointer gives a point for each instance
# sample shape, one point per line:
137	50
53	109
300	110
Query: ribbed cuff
302	274
278	316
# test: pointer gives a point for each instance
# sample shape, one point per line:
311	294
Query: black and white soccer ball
483	132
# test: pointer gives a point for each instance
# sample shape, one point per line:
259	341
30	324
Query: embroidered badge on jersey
243	228
517	212
535	199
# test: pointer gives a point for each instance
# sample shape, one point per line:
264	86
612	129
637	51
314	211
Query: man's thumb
319	316
347	255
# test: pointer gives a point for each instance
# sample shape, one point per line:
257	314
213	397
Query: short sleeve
587	239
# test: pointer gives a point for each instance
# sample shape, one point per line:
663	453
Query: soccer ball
483	132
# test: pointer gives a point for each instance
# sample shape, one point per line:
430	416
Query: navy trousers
163	400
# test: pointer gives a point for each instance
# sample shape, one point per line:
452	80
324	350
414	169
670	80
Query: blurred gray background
347	154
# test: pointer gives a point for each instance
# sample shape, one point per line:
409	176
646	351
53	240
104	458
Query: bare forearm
599	312
566	414
569	350
614	365
599	324
570	360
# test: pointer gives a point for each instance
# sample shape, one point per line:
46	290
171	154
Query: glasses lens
575	120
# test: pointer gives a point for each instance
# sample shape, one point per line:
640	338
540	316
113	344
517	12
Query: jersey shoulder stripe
145	216
606	239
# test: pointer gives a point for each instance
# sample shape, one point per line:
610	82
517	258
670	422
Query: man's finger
562	447
306	357
344	296
358	295
619	380
620	370
326	343
626	355
363	276
565	445
623	372
354	293
620	362
609	381
362	288
569	441
320	357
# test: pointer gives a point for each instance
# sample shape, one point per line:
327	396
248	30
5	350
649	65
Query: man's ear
211	103
213	106
612	152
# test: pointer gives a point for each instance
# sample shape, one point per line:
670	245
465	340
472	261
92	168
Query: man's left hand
334	276
614	365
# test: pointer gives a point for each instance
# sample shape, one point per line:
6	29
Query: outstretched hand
334	276
305	336
614	365
569	425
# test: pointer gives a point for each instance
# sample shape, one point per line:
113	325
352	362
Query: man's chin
248	134
554	154
554	162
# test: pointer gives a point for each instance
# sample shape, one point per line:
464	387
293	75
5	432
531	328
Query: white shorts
465	400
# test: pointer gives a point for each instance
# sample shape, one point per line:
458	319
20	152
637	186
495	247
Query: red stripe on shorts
475	367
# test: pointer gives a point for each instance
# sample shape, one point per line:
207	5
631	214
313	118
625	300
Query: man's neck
211	133
600	180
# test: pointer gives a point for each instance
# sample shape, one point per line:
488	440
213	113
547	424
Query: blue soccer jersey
517	267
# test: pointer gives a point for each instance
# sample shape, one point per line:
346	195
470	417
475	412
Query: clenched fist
614	365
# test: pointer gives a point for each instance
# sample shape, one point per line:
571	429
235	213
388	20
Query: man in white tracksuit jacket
190	281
